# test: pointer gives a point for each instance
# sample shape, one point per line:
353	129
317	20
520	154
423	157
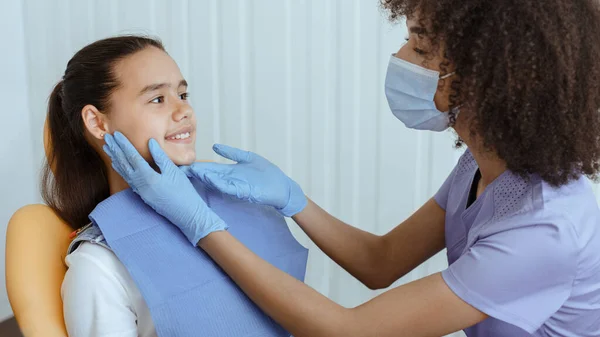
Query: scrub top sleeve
520	276
441	197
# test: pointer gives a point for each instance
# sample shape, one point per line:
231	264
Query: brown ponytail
74	178
77	181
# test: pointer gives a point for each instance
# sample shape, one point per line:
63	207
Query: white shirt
99	297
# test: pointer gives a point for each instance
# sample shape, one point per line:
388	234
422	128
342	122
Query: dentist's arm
422	308
426	307
376	261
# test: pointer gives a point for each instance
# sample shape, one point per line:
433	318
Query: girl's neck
116	183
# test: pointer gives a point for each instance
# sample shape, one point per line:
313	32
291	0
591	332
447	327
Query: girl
126	83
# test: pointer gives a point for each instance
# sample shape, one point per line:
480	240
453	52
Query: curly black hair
528	77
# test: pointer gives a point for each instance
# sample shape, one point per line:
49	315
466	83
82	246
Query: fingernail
112	143
107	150
119	136
107	138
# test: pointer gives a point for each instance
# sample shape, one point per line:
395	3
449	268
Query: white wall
298	81
18	167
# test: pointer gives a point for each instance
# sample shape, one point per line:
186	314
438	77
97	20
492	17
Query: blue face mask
409	89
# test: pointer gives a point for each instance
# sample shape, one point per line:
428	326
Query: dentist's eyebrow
158	86
417	30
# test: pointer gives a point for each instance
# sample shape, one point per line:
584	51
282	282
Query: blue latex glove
170	193
253	179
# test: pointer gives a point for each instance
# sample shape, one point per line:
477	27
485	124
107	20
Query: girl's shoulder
97	288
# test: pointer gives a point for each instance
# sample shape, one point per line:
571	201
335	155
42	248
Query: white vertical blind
17	168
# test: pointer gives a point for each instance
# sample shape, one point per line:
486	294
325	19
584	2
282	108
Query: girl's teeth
180	136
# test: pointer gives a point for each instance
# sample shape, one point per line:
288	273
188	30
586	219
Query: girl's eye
159	99
184	96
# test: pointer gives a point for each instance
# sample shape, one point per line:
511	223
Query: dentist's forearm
360	253
301	310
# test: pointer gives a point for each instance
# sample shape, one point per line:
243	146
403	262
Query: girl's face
152	102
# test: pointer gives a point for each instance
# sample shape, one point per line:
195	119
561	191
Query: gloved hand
170	192
253	179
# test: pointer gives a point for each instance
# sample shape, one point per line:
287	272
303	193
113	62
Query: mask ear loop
447	75
456	109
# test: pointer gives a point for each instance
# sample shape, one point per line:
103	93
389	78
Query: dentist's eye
159	99
184	96
419	51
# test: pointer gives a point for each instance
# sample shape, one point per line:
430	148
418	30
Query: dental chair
36	245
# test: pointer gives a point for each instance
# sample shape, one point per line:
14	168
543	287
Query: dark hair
528	77
74	178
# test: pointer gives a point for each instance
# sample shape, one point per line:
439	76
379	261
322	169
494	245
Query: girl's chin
183	159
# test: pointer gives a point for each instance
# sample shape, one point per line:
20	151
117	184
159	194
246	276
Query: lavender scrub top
524	253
